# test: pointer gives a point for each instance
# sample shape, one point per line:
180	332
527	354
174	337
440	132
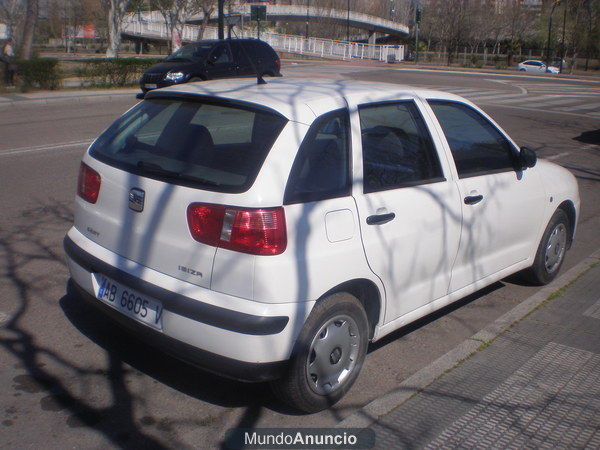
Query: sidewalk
64	96
536	385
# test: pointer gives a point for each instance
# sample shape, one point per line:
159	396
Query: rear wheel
328	355
551	251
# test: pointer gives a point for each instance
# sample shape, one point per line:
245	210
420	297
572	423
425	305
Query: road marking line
66	145
514	75
463	90
496	97
579	107
525	99
521	88
555	157
538	110
555	102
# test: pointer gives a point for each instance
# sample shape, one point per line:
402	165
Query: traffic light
418	16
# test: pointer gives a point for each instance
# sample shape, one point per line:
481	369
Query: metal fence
322	48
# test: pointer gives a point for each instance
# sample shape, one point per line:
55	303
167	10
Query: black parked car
205	60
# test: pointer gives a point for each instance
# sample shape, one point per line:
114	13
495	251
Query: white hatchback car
269	232
535	66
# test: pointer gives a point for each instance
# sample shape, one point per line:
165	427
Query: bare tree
11	14
207	7
176	13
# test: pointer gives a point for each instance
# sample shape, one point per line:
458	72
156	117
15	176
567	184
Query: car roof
302	100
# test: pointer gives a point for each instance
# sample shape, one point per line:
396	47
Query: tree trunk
573	62
203	25
115	13
31	15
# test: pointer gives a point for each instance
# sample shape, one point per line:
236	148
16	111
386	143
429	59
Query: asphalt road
71	378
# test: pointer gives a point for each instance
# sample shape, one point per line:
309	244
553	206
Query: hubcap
555	249
333	354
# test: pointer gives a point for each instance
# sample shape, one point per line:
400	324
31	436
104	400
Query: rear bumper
237	338
211	362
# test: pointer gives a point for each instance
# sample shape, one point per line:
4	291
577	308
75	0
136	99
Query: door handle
473	199
380	219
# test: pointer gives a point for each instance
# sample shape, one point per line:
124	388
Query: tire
521	70
335	334
551	251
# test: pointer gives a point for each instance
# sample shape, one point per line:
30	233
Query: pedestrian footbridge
151	26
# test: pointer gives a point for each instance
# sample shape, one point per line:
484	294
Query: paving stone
535	386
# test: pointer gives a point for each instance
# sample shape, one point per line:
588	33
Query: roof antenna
259	78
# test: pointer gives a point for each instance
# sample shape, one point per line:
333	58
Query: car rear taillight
278	63
88	183
254	231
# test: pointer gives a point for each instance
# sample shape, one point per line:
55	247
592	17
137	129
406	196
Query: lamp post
562	45
348	23
307	16
554	4
221	18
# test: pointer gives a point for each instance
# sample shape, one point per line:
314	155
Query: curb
410	387
85	98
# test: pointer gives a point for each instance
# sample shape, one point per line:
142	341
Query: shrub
114	72
501	66
38	72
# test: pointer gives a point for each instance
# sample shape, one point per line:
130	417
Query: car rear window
212	146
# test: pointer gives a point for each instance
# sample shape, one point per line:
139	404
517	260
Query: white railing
323	48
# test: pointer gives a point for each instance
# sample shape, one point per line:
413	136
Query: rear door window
207	145
397	148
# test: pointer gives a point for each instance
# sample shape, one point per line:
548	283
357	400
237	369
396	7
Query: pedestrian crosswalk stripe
580	107
555	102
487	96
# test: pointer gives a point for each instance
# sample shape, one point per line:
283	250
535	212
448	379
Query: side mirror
527	158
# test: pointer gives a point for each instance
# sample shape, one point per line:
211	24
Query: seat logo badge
136	199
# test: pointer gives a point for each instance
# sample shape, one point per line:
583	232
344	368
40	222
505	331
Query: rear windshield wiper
155	169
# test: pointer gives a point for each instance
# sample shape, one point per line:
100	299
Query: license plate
150	86
128	301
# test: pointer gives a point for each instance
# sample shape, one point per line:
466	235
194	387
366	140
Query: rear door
409	207
241	53
159	158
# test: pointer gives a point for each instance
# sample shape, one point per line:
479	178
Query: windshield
191	53
200	144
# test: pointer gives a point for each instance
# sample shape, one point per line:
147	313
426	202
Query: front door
410	213
502	207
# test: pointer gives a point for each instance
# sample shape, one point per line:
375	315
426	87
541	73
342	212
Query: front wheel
551	250
328	355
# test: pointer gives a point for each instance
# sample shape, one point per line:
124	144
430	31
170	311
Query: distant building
501	5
